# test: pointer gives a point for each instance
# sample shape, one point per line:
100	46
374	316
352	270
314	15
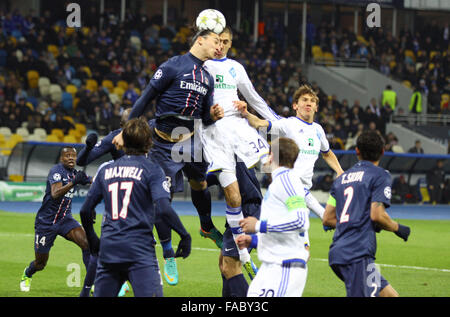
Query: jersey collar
280	170
220	60
195	59
304	121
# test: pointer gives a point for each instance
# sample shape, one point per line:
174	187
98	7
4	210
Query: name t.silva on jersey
123	172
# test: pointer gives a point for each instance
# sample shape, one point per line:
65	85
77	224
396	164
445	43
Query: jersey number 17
114	190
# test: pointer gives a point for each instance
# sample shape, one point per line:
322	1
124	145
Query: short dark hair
203	33
285	151
370	145
228	30
136	136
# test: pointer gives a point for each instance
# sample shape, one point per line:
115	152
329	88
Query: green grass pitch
419	267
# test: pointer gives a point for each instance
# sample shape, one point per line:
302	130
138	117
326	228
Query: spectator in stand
401	191
434	100
436	182
63	124
417	148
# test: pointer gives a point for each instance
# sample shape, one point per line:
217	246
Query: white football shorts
232	136
275	280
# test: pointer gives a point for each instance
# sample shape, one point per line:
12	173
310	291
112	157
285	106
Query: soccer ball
211	19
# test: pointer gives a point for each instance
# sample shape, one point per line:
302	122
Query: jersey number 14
114	190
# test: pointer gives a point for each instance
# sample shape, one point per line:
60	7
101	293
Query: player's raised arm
253	120
332	161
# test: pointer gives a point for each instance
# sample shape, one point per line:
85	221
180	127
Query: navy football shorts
229	246
177	159
144	277
45	235
362	278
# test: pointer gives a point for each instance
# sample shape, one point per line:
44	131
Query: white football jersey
229	77
284	219
311	140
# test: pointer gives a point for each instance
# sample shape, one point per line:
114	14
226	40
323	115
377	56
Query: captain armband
331	201
295	203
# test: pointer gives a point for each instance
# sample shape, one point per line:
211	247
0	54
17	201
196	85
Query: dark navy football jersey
354	191
101	148
184	92
54	210
129	187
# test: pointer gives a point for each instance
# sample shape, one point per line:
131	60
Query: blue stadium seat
67	101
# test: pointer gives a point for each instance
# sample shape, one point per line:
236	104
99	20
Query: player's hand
241	106
248	224
184	247
118	141
327	228
91	140
243	241
216	112
403	232
81	178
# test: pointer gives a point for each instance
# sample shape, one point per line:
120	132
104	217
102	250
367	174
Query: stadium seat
430	66
76	134
37	137
55	92
71	89
122	84
23	132
53	49
433	53
6	132
70	31
136	42
410	53
58	133
33	79
119	92
392	64
85	30
81	128
40	131
316	51
406	83
67	102
69	139
52	138
108	84
329	59
92	84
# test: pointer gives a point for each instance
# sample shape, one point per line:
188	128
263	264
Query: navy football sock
238	286
202	202
31	269
90	276
168	251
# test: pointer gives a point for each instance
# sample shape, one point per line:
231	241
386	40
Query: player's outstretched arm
83	156
253	120
379	215
332	161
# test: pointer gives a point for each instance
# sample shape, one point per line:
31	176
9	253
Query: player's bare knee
231	267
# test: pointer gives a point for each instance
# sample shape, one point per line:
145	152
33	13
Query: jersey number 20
114	190
348	192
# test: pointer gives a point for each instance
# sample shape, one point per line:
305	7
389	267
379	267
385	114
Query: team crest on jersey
158	74
57	177
387	192
232	72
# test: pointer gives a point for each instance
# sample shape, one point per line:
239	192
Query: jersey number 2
344	215
114	190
